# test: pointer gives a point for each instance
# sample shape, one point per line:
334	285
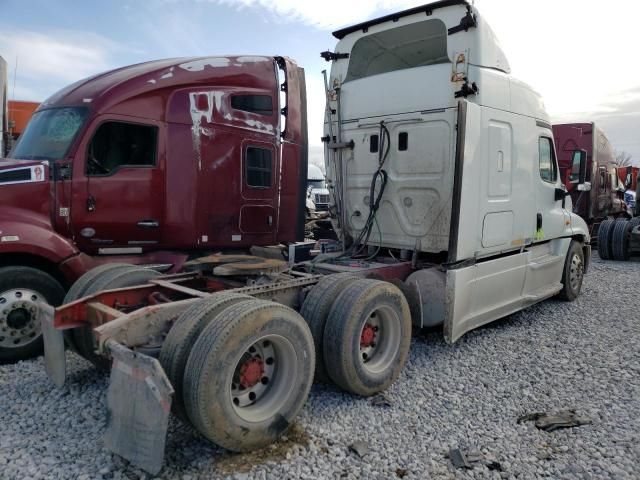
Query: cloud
618	116
326	14
47	61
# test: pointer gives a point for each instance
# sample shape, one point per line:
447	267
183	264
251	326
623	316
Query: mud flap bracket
54	356
139	402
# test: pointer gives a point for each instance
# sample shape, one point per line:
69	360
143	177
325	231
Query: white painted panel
416	205
497	229
482	293
500	171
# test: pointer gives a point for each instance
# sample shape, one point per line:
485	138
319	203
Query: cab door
487	263
550	213
603	192
118	187
258	213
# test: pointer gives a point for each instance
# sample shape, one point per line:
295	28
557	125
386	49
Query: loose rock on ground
554	356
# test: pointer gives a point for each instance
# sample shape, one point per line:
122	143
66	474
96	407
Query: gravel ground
553	356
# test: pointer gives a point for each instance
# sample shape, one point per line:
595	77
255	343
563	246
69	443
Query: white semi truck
317	193
445	188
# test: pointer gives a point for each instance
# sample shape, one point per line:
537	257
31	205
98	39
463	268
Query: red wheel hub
368	336
251	372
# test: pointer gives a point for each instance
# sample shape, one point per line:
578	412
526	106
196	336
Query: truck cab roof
151	83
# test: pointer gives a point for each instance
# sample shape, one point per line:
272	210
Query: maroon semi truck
605	197
148	164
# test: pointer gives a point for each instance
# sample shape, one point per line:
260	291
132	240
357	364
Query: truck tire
249	374
367	337
605	233
184	333
83	337
20	330
620	241
315	311
573	273
79	288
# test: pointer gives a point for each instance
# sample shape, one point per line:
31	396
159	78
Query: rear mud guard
139	402
54	356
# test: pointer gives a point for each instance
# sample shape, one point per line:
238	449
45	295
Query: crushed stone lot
554	356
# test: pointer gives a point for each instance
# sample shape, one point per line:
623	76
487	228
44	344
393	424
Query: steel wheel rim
19	325
576	272
274	357
380	338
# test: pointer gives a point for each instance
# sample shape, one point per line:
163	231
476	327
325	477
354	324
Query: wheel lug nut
265	380
375	329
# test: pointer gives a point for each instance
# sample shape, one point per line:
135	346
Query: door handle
148	224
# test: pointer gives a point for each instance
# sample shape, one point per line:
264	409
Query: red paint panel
257	219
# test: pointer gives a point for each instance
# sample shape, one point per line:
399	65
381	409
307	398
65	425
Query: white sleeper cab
433	147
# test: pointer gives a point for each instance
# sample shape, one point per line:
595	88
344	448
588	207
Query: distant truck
629	178
317	190
603	196
149	164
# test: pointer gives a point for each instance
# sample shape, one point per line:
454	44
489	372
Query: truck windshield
316	183
49	134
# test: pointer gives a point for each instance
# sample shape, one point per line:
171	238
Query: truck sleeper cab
448	199
453	165
148	164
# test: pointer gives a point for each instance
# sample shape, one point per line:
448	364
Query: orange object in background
19	115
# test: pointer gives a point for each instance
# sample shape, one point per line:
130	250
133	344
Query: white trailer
444	181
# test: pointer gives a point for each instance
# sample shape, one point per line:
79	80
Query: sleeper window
258	167
118	144
548	170
260	104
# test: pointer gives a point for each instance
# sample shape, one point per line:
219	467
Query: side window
603	180
548	169
118	144
258	167
260	104
574	176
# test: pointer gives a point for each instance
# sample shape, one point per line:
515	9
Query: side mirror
584	187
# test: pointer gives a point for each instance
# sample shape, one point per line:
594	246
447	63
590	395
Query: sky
579	54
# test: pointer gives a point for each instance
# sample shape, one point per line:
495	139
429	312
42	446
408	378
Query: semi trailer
149	164
447	197
19	114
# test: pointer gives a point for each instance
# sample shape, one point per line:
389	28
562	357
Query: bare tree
622	158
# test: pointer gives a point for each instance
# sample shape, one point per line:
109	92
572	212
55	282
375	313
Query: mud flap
139	402
54	356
